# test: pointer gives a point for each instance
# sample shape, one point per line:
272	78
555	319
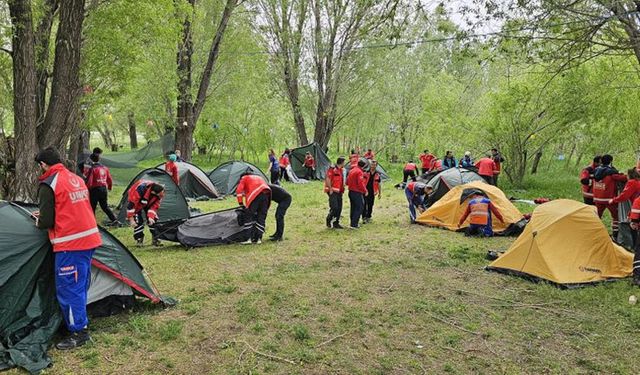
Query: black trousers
138	231
256	216
488	179
309	174
636	257
495	179
357	206
99	195
281	211
275	177
369	201
408	174
588	200
335	207
283	174
424	170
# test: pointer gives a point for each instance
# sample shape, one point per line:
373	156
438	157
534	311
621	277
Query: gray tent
447	179
322	160
215	228
227	175
194	182
174	204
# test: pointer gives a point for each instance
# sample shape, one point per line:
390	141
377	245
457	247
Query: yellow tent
446	212
565	243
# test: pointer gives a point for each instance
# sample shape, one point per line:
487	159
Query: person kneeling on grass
479	210
257	197
144	202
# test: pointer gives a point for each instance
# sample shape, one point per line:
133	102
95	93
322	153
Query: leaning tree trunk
536	161
133	134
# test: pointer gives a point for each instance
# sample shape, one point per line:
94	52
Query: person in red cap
254	195
65	211
334	187
586	180
144	199
606	178
357	184
486	166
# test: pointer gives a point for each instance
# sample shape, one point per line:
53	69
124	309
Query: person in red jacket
357	184
486	166
631	189
284	163
426	158
409	170
86	165
586	180
99	182
144	199
436	165
310	166
634	218
606	179
254	195
369	155
373	189
334	187
498	159
65	211
171	168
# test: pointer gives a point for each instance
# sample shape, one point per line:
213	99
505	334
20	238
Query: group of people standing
279	167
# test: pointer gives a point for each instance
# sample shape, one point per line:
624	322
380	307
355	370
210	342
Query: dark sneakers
156	243
636	281
337	225
328	221
74	340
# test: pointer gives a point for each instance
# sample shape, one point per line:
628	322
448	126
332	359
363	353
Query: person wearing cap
466	160
254	195
144	199
171	168
65	211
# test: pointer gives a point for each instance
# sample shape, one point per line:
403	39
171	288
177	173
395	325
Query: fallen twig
268	356
331	339
112	361
387	290
455	325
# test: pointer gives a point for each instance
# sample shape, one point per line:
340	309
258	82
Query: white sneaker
247	242
259	242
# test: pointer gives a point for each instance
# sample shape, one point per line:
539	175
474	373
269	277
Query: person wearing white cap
466	160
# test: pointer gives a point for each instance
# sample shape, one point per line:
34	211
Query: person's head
374	164
308	153
362	163
47	158
171	156
97	151
494	151
426	151
353	151
597	160
607	159
157	190
340	162
271	152
177	152
94	158
287	151
467	154
633	174
410	161
369	150
449	153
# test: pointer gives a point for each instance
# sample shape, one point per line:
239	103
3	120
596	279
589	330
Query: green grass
391	298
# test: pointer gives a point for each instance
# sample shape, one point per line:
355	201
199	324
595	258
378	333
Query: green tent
29	311
227	175
194	182
131	159
322	160
173	206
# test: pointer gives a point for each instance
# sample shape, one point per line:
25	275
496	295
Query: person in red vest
310	166
284	163
480	209
586	180
634	217
426	158
369	155
486	166
631	189
65	211
357	184
99	183
171	168
436	165
334	187
254	194
416	193
86	165
409	171
144	199
498	159
606	178
373	190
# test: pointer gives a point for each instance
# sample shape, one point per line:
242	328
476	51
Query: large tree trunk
133	134
23	185
536	161
43	37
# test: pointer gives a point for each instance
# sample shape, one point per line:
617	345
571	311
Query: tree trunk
133	134
536	161
43	37
23	182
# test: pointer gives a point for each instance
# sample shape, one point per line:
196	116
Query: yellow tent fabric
446	212
565	243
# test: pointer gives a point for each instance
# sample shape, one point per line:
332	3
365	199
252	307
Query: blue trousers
357	206
73	276
414	201
479	230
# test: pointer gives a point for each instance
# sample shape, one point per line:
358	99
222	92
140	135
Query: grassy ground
391	298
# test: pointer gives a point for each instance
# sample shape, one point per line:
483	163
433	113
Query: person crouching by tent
171	168
283	199
409	171
606	178
586	180
357	184
479	210
373	190
284	163
416	193
254	195
274	167
144	202
65	211
466	161
99	183
310	166
486	166
334	187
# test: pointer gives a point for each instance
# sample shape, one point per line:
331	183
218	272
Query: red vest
284	161
99	176
605	189
486	167
587	174
436	165
249	187
335	180
634	215
140	198
172	170
309	162
426	160
75	227
369	155
630	192
410	167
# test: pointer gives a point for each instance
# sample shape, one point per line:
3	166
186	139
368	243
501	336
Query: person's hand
634	225
610	201
151	221
132	222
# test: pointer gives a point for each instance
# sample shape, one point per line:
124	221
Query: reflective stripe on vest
71	237
479	213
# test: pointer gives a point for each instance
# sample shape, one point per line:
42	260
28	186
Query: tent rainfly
227	175
448	179
322	160
194	182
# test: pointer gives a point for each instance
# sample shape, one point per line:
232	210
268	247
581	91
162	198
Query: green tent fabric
174	204
227	175
194	182
322	160
29	312
131	159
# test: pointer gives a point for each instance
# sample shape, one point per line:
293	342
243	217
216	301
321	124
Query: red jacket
284	161
410	167
634	215
586	181
486	167
436	165
75	227
353	160
605	188
630	192
369	155
98	176
249	187
140	198
309	162
498	160
356	181
334	181
426	160
172	170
